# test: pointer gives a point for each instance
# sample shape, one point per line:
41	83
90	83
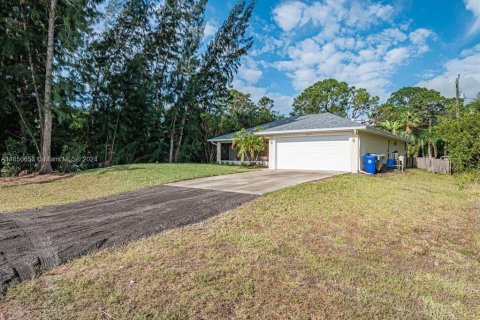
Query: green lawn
103	182
403	246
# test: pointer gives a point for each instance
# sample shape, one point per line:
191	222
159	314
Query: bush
10	165
72	159
468	178
462	138
9	169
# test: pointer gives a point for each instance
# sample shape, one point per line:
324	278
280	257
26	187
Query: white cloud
249	71
210	29
397	55
329	13
283	103
366	63
246	81
361	16
467	66
419	38
268	44
356	41
289	15
470	51
474	7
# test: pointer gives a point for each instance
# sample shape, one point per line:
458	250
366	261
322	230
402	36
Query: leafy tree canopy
335	97
427	104
474	106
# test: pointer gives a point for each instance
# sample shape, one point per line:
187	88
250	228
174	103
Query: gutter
264	133
385	134
218	140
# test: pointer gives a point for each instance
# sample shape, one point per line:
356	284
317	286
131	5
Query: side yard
351	247
97	183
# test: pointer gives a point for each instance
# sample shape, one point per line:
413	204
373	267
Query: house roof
229	136
308	123
319	121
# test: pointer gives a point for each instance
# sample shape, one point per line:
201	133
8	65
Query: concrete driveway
256	182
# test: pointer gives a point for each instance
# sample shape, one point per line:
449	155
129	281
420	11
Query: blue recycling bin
370	162
390	163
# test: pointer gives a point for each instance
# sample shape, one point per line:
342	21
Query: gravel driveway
39	239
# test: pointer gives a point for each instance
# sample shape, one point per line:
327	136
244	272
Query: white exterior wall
271	153
219	152
370	143
355	139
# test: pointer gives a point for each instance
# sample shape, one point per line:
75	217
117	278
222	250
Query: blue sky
378	45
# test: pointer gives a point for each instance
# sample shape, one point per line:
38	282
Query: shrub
10	165
73	159
468	178
462	137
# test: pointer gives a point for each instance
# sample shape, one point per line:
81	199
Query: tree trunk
430	132
22	119
180	137
23	140
110	157
34	81
172	140
23	129
45	164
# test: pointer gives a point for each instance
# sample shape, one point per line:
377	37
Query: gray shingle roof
314	122
306	122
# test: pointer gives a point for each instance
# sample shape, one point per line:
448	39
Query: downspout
359	155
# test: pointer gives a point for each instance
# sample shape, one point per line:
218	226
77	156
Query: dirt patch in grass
354	247
98	183
31	178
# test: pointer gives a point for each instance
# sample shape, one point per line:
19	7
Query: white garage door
331	153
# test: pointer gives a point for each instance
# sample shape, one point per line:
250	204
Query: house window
228	153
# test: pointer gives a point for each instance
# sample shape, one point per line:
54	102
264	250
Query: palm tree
248	144
410	120
420	143
412	146
390	126
431	138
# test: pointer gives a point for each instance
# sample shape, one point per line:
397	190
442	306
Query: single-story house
315	142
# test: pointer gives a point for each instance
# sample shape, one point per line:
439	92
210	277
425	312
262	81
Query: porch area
227	154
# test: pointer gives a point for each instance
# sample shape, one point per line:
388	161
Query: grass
351	247
103	182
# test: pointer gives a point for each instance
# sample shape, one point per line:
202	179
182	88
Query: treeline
139	82
148	87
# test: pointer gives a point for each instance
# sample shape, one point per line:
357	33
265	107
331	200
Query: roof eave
385	134
266	133
219	140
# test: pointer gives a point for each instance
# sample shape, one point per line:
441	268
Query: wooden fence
430	164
